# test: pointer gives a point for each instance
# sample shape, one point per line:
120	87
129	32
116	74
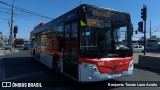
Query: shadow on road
24	69
147	69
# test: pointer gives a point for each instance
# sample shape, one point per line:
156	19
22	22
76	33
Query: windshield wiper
112	39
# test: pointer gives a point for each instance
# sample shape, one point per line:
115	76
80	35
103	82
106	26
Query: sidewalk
4	52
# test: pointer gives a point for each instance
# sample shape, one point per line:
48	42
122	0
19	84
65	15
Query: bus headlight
131	64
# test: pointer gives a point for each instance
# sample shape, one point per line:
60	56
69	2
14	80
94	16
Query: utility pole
140	24
11	29
150	29
144	17
144	37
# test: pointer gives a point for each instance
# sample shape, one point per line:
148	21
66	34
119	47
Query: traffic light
140	26
14	35
136	32
8	40
15	29
144	13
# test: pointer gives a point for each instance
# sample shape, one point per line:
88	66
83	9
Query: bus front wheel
33	55
56	64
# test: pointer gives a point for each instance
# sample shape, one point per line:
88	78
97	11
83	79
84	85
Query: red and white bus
86	44
19	42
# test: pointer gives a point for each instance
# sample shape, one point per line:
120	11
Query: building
152	44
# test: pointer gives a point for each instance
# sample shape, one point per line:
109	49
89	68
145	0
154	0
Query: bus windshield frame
103	37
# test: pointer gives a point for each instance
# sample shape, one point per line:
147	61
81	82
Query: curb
5	52
149	62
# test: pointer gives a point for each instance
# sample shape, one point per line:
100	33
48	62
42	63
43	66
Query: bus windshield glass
19	42
104	37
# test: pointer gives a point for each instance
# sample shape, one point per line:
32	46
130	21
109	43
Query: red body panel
39	25
18	40
107	65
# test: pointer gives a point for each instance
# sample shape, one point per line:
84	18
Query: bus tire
56	64
33	55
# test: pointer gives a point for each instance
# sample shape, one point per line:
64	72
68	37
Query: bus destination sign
99	13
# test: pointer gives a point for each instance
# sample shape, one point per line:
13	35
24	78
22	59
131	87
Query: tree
142	38
154	37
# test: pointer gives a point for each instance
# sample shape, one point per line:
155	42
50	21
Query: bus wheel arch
33	55
56	63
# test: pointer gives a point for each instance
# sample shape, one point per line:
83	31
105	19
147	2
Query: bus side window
51	44
33	43
59	38
63	44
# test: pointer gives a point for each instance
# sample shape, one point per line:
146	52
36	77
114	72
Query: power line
28	17
4	12
27	11
5	8
24	16
33	13
4	19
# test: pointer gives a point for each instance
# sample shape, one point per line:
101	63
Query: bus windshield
104	39
19	42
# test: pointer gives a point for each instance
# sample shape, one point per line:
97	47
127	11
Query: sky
55	8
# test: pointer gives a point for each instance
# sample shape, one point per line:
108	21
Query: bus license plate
115	74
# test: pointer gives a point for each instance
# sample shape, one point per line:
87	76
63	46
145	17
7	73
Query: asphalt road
19	67
136	55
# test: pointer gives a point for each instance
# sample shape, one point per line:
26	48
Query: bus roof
19	39
89	6
104	8
39	25
63	17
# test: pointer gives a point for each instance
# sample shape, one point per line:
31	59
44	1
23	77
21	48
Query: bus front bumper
90	73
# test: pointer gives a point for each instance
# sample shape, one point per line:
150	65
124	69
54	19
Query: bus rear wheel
33	56
56	64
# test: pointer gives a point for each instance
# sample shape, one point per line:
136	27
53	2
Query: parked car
137	48
7	46
26	46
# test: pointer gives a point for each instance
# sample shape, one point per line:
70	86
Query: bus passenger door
71	50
